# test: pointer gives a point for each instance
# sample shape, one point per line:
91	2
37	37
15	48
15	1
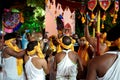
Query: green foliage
34	16
32	24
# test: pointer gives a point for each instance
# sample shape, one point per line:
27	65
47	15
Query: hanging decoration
69	3
103	19
104	4
82	11
83	19
116	7
91	6
11	20
60	24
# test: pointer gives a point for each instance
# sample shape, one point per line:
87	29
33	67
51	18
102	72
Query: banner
92	4
104	4
82	7
10	20
117	5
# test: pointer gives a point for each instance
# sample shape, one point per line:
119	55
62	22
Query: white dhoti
113	72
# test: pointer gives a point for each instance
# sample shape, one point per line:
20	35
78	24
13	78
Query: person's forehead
82	38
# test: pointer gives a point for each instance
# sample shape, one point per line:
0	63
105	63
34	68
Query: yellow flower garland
20	60
37	50
83	19
71	46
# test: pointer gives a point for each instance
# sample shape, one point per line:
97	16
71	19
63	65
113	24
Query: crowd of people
65	56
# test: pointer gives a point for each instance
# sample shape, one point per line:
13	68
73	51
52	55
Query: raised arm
14	53
90	39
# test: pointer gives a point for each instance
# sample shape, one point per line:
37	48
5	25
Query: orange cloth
83	54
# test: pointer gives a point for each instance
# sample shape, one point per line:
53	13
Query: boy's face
83	41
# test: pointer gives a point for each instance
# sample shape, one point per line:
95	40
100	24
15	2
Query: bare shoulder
98	60
41	60
93	62
73	53
38	63
102	58
99	65
7	51
26	58
58	54
105	61
92	69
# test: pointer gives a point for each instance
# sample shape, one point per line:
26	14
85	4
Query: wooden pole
98	33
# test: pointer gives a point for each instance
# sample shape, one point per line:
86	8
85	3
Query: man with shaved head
67	62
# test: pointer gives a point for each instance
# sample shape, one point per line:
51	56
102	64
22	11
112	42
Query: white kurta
113	72
32	72
66	69
10	69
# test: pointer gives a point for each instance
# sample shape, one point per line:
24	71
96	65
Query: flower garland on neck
19	60
37	50
71	46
